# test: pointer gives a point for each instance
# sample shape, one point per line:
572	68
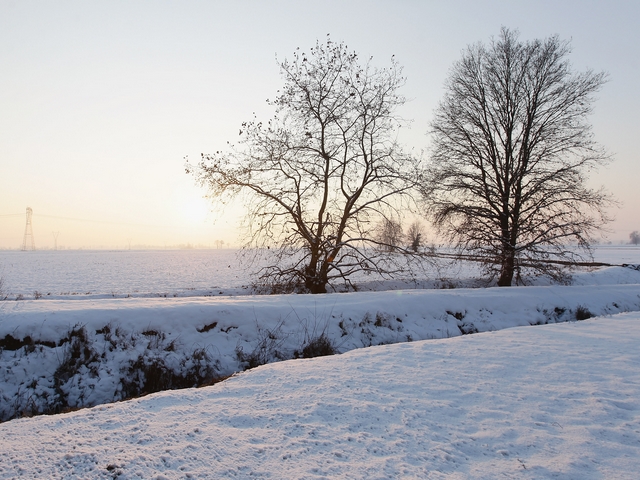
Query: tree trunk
315	285
507	268
314	281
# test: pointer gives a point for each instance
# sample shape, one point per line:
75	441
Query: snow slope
225	334
553	401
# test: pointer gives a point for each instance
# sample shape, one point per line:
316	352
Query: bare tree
634	237
320	175
415	235
511	151
390	234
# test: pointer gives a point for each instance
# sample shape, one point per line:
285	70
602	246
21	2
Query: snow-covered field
121	273
551	401
555	401
74	274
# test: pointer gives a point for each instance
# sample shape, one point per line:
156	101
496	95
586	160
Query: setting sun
194	210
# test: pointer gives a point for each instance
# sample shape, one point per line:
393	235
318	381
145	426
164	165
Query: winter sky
101	101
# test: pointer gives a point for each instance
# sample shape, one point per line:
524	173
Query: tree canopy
512	148
322	173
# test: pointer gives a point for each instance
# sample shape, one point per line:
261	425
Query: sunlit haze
100	102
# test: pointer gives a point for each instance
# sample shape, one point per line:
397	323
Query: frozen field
120	273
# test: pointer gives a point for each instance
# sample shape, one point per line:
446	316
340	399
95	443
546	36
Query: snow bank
556	401
60	354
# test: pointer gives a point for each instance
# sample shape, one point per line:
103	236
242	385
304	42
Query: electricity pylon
55	240
28	243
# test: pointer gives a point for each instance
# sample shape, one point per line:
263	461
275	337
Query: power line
101	221
39	215
90	221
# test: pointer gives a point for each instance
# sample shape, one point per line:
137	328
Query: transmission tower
28	243
55	240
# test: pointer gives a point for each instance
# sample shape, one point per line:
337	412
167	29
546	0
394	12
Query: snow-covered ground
554	401
80	274
59	354
551	401
120	273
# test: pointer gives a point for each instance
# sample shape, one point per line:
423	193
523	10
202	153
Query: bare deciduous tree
390	234
415	235
321	174
634	237
512	148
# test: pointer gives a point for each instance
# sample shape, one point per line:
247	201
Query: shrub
149	374
78	354
582	313
267	350
467	328
317	347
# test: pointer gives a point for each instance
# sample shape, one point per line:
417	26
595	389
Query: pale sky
101	101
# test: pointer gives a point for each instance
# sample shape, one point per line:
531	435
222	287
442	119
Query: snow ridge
120	344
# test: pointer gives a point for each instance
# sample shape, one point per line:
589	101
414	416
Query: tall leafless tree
320	175
634	237
415	235
512	148
390	234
